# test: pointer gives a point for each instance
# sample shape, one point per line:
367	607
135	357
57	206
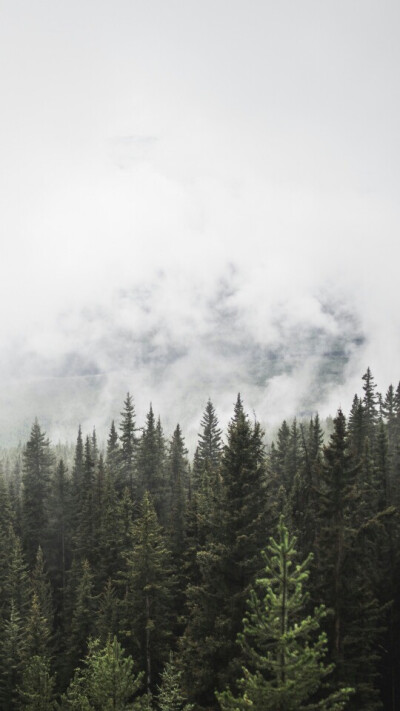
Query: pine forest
250	576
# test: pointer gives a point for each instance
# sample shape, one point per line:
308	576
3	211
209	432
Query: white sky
173	146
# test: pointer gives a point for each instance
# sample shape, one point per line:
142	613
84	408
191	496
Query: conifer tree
370	404
82	621
179	480
171	696
128	446
105	682
113	458
283	647
209	449
36	692
147	618
107	613
346	588
151	463
59	533
228	563
279	453
11	656
39	625
6	531
85	523
336	500
16	582
77	471
38	461
112	535
356	430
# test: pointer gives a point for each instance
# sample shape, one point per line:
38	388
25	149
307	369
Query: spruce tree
146	609
38	462
85	519
209	449
370	404
82	621
178	486
151	463
228	563
59	533
342	566
128	446
12	647
113	458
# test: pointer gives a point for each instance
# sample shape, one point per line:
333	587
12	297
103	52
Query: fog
196	199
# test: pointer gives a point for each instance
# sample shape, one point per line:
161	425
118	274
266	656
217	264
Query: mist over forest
199	236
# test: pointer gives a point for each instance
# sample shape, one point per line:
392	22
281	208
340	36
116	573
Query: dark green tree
146	610
228	563
38	462
128	446
37	691
12	647
82	622
151	464
370	405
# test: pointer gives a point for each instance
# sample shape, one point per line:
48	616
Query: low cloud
183	220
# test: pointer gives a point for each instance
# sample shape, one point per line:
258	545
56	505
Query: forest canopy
249	576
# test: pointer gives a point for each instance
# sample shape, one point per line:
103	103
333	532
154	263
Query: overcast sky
173	171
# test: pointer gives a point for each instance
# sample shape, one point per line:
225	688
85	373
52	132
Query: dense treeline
250	577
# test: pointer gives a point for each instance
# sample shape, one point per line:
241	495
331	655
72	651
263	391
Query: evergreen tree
6	531
179	480
346	588
11	655
151	463
370	404
105	682
107	613
128	446
113	458
59	535
171	696
356	430
36	692
209	449
147	618
283	647
38	461
82	621
228	563
85	522
16	582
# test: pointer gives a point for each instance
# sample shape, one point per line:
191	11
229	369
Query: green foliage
106	681
151	464
37	688
82	621
38	462
171	696
146	609
128	446
12	647
283	646
185	559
